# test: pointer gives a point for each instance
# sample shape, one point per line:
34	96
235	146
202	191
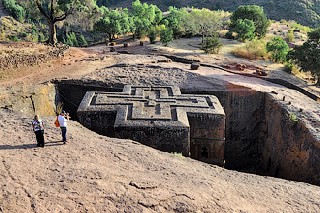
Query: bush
166	36
288	67
253	50
229	35
290	36
82	41
15	10
41	37
71	40
278	49
245	29
14	38
291	68
293	118
211	45
23	34
152	36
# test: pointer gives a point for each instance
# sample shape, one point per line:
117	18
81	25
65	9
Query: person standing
38	128
62	118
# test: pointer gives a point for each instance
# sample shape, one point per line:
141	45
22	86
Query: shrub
41	37
14	38
15	10
245	29
293	117
82	41
252	50
166	36
291	68
288	67
229	35
278	49
152	36
71	40
211	45
23	34
290	36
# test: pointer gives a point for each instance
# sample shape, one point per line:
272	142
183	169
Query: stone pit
160	117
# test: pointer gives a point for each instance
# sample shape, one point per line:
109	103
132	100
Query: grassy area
12	30
252	50
23	48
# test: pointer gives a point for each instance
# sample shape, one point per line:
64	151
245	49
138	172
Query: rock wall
244	124
30	100
289	150
260	137
71	92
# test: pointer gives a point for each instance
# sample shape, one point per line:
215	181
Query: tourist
38	128
62	118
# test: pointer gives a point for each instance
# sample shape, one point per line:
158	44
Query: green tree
144	16
278	49
245	29
174	20
166	36
58	10
15	9
202	22
207	22
113	22
254	13
154	32
307	55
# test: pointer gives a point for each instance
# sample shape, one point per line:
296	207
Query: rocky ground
94	173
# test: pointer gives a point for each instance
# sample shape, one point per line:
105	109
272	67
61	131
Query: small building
160	117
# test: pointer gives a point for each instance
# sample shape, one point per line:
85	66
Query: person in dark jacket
38	128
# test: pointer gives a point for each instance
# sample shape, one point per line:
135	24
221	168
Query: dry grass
252	50
24	48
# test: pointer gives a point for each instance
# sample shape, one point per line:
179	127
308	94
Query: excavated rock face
259	136
37	99
289	150
159	117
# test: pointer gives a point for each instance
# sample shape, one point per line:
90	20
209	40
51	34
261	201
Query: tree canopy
58	10
245	29
254	13
278	48
144	16
307	55
114	22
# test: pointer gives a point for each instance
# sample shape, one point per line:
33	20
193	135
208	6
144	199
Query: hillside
2	11
302	11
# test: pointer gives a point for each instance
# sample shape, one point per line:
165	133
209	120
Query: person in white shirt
38	129
62	118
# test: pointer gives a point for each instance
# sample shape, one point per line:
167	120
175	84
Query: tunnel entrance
258	133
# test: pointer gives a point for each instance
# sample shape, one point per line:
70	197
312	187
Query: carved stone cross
160	117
